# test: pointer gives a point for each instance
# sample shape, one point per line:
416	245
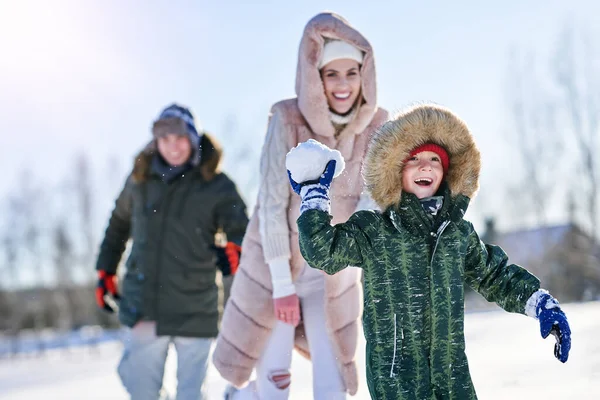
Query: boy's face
422	174
175	149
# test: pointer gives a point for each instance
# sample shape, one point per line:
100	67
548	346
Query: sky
90	76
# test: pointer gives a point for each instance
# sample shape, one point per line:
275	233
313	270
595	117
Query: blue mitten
315	193
553	321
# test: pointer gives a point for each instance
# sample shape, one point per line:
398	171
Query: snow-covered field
508	360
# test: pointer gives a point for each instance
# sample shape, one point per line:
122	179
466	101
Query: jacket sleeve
118	231
333	248
230	213
274	192
488	272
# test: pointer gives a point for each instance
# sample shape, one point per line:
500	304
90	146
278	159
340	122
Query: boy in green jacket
422	169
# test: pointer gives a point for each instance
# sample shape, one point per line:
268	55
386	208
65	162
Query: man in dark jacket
174	205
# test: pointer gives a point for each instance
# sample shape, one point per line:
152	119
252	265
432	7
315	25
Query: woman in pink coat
277	302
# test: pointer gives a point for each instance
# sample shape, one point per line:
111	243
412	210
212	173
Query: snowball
307	161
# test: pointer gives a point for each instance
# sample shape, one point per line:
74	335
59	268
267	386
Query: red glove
228	258
107	285
287	309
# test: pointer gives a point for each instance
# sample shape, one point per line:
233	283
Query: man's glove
228	258
107	286
553	321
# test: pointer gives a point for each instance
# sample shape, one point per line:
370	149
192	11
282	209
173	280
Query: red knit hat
437	149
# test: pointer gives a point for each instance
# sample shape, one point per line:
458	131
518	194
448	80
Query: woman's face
341	79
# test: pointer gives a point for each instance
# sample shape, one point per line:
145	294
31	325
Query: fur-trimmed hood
309	87
211	153
418	125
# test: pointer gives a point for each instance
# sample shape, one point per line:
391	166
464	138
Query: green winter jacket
171	270
414	268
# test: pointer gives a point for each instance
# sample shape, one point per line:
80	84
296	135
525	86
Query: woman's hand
287	309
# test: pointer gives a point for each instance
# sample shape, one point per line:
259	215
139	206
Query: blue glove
315	193
554	321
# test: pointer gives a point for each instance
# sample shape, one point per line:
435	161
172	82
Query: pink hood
309	87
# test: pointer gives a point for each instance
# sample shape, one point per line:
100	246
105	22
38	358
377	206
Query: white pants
277	356
143	363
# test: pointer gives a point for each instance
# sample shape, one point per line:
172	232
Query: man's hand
228	258
107	286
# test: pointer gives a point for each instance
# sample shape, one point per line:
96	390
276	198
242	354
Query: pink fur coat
248	317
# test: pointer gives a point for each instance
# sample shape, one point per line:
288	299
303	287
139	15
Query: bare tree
30	201
10	245
74	244
241	157
22	241
83	193
535	137
5	310
48	246
576	73
63	259
114	173
556	116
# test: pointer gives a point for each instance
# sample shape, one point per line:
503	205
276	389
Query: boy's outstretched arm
488	272
516	290
328	248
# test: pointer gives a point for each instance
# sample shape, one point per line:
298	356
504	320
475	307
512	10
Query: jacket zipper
437	236
392	374
437	239
394	358
159	254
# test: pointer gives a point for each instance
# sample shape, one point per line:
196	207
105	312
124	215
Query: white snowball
307	161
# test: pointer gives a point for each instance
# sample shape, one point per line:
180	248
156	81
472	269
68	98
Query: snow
508	360
307	161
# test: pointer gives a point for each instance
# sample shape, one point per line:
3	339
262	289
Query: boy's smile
422	174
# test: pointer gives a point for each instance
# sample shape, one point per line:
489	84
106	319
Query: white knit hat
338	49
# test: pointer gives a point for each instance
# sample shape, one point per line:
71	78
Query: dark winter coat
414	269
171	270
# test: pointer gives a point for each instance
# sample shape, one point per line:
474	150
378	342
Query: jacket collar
408	214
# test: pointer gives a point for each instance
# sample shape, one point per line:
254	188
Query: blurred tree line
49	241
49	236
553	104
554	110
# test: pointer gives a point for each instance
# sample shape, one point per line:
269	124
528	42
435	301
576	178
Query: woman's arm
274	199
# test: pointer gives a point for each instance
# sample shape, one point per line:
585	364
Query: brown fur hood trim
418	125
309	87
211	153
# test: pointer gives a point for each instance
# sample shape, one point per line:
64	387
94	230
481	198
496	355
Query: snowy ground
508	360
